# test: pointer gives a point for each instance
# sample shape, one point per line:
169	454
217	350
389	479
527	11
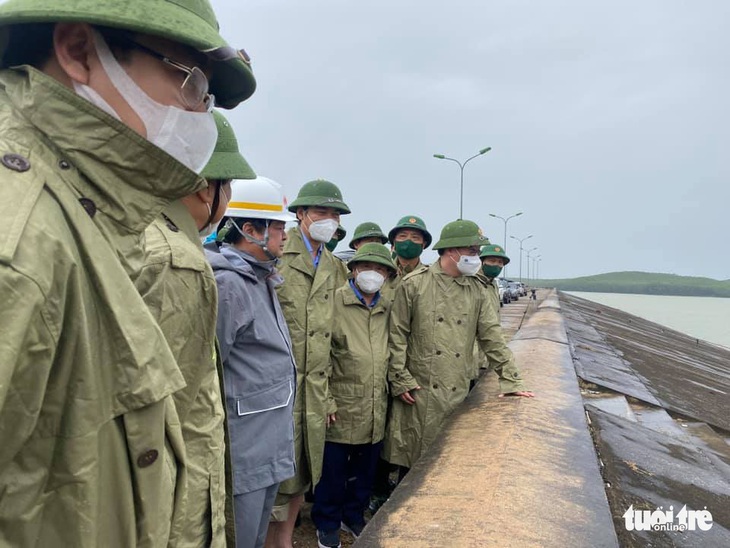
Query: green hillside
647	283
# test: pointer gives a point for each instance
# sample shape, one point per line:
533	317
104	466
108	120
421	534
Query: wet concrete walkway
628	414
508	471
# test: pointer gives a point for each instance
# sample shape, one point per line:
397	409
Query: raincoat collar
359	298
295	246
179	215
444	279
128	178
242	261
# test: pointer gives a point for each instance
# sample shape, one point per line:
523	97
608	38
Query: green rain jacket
433	326
307	300
178	285
92	448
359	369
392	284
480	359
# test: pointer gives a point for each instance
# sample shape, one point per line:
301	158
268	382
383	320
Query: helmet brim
232	79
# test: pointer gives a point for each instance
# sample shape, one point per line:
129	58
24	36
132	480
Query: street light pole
528	261
521	240
461	167
504	245
505	224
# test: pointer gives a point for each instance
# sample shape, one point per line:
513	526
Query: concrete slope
508	471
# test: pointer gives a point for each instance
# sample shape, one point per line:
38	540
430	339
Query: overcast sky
609	121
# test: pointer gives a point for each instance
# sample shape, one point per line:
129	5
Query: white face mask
369	281
322	231
91	95
469	265
208	229
189	137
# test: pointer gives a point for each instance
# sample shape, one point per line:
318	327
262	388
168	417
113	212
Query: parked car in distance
514	288
505	295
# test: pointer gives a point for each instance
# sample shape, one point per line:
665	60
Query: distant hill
647	283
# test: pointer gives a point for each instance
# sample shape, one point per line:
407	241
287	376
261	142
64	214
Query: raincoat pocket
274	397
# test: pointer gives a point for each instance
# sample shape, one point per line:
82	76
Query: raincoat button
89	206
147	458
441	319
438	352
63	164
311	333
458	322
397	375
326	334
453	389
16	162
321	373
435	386
326	296
458	355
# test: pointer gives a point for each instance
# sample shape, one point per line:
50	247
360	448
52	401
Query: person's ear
207	194
73	45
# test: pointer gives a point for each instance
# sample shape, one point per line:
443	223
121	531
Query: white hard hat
259	198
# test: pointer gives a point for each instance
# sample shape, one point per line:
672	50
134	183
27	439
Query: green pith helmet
189	22
461	233
226	162
416	223
367	230
373	253
493	250
319	193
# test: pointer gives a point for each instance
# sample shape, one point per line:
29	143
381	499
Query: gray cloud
608	121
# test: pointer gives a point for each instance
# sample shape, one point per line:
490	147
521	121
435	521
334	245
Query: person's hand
331	419
521	394
407	397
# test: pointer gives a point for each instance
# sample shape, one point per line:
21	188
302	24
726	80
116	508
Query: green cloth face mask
332	244
408	249
491	270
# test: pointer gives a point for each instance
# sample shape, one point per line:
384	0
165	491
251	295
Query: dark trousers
381	482
343	492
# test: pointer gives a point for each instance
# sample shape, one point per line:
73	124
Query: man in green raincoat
437	315
365	233
103	127
176	266
311	274
408	238
359	386
494	259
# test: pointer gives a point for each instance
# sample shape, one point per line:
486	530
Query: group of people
157	392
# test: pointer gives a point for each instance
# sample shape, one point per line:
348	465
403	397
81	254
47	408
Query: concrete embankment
630	422
508	471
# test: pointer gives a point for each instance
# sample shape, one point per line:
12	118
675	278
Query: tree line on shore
647	283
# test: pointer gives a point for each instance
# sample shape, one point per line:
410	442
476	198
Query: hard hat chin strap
261	243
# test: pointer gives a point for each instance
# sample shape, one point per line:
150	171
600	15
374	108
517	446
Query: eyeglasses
194	89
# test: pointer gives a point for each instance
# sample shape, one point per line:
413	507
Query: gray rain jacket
259	373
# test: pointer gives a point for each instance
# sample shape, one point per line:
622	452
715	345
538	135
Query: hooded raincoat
434	323
92	447
259	371
178	286
360	363
307	300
